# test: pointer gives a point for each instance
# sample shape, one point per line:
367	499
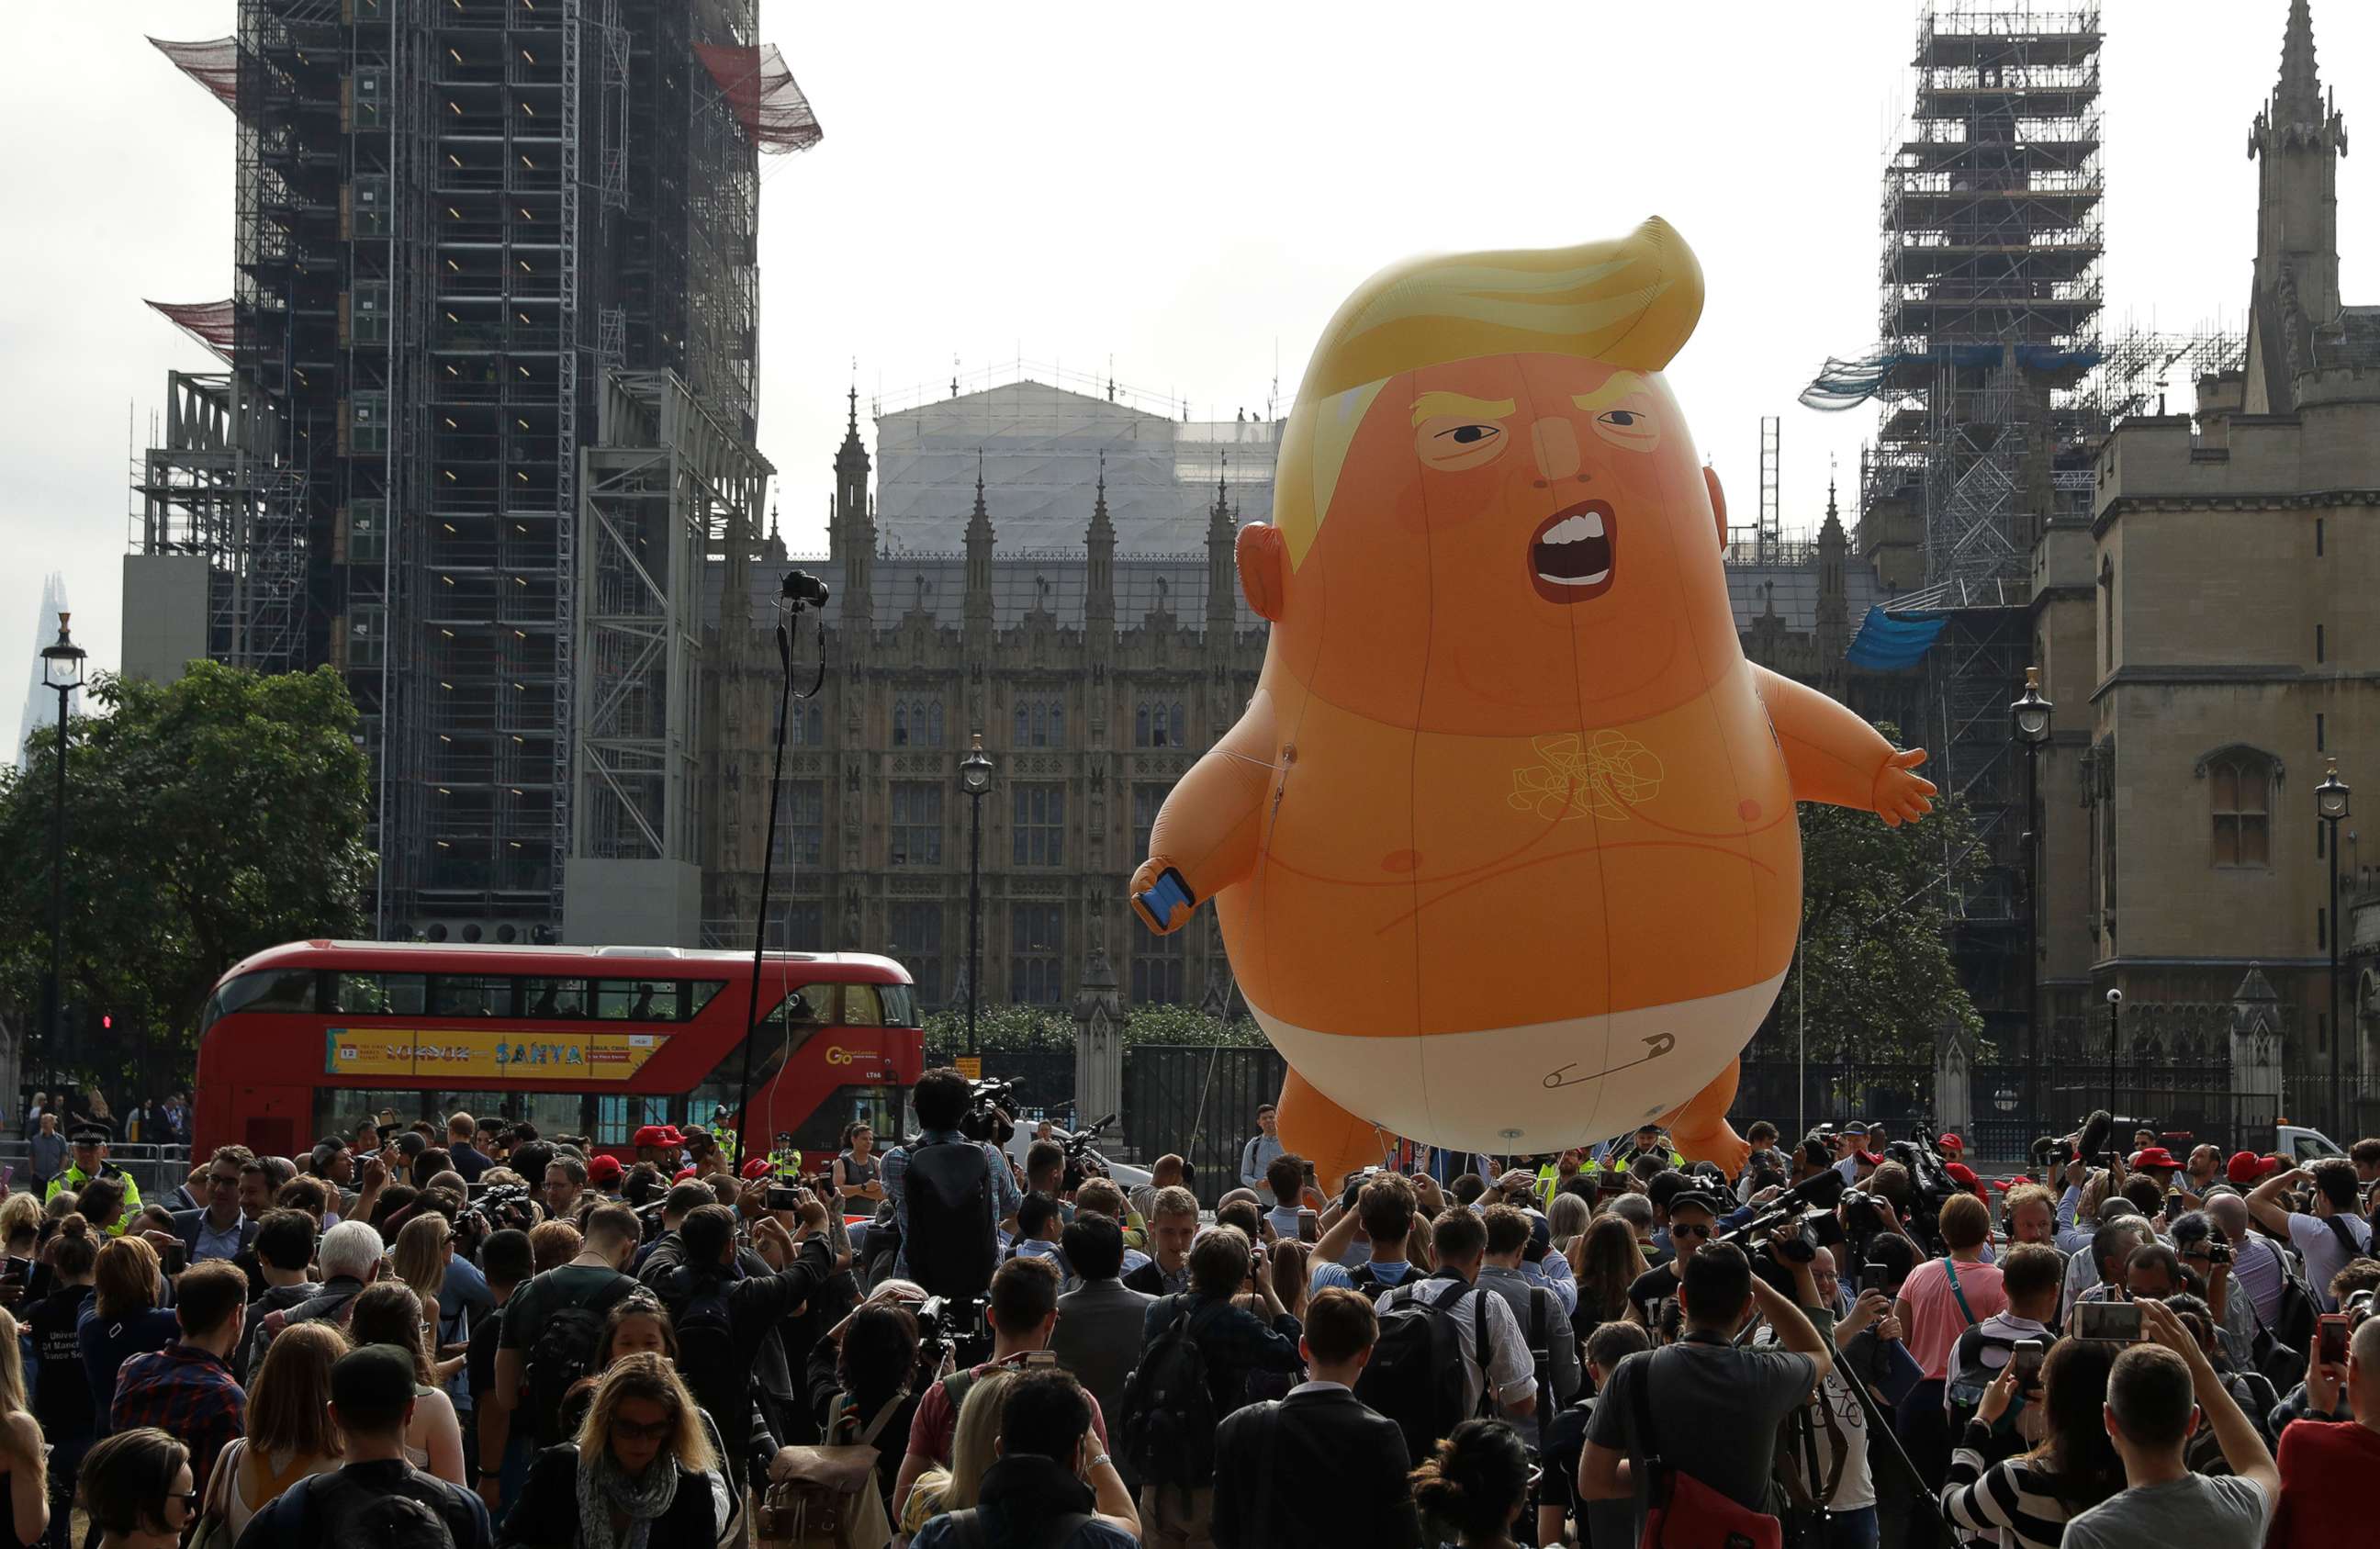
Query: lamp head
975	770
2031	711
2115	997
62	660
2330	797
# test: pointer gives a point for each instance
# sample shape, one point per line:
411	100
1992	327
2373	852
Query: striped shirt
2005	1505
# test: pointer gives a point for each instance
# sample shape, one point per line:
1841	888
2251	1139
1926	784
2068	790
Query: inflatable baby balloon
1504	847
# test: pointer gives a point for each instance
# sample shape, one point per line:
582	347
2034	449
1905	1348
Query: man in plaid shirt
186	1389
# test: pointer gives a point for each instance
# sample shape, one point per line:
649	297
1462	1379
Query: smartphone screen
2114	1321
1308	1227
2026	1356
2333	1339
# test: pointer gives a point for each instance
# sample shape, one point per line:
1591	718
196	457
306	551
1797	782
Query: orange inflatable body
1504	846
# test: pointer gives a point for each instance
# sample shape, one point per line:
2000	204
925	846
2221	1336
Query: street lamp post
2029	717
974	778
62	673
2115	1004
2330	805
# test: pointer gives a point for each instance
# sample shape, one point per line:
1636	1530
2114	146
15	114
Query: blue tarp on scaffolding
1886	644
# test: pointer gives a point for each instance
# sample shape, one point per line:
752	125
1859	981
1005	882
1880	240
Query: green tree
207	819
1877	906
1012	1029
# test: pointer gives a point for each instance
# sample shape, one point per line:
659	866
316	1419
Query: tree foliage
207	819
1875	921
1013	1029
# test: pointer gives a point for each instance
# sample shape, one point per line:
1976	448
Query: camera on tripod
948	1326
803	590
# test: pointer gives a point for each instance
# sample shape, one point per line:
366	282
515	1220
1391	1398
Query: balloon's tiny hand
1902	795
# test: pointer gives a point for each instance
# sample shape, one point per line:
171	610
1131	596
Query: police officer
1650	1140
89	1141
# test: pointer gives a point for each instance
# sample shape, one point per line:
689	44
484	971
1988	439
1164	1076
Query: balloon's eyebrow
1618	386
1430	406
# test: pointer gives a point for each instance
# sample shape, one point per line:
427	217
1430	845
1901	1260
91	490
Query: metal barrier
156	1170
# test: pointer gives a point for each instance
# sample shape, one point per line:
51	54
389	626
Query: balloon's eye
1629	429
1467	434
1619	419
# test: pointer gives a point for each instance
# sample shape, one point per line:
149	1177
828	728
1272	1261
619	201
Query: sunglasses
658	1431
1703	1232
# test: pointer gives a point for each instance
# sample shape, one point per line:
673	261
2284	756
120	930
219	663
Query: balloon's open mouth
1570	554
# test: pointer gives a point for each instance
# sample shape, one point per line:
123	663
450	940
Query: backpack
1963	1393
1167	1435
950	1245
1680	1511
563	1351
1416	1375
829	1498
719	1379
967	1528
331	1509
1369	1285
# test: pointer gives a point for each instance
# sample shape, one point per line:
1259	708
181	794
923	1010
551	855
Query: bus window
338	1109
637	999
616	1118
811	1004
900	1005
273	989
554	1113
378	995
878	1108
460	995
698	995
862	1007
553	998
723	1086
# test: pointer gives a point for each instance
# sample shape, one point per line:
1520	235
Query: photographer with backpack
723	1315
1448	1348
1545	1324
951	1195
1198	1350
551	1328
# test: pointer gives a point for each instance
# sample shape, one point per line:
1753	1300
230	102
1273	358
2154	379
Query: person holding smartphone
2025	1500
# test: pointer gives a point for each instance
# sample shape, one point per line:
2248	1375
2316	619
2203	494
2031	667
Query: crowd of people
460	1332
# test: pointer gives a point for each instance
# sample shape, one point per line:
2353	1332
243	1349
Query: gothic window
2240	787
801	823
1145	800
1037	953
917	828
807	727
1156	968
1037	837
917	722
917	942
798	927
1159	724
1042	722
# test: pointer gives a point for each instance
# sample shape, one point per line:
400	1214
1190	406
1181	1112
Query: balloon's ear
1263	555
1718	502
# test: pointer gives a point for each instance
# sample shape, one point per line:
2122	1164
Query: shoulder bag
1680	1511
829	1498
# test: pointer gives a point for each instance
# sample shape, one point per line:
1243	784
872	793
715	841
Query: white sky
1185	188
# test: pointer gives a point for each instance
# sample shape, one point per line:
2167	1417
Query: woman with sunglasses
391	1313
137	1489
642	1468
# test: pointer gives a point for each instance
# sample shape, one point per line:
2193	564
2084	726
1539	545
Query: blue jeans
1855	1528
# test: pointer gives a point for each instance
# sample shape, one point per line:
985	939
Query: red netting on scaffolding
761	91
210	322
213	64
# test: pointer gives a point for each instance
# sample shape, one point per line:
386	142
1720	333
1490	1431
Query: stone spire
978	563
851	530
1831	628
1098	601
1222	576
2296	138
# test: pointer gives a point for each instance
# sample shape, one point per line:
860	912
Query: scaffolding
665	484
452	221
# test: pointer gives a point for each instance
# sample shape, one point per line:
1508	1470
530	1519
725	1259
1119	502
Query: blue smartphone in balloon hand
1170	892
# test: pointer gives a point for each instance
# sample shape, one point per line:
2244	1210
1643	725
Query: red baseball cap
2153	1157
1868	1159
656	1135
603	1169
2246	1167
1964	1177
681	1175
1951	1144
756	1167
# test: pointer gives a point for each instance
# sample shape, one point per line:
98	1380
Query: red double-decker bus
308	1040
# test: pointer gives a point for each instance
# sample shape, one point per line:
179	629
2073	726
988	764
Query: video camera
990	1103
2088	1143
953	1328
1808	1206
504	1207
1929	1177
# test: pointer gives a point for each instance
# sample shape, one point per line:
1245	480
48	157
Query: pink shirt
1935	1320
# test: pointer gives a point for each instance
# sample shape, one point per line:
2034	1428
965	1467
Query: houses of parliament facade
1055	570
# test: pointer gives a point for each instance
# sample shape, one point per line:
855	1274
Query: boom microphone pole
799	590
